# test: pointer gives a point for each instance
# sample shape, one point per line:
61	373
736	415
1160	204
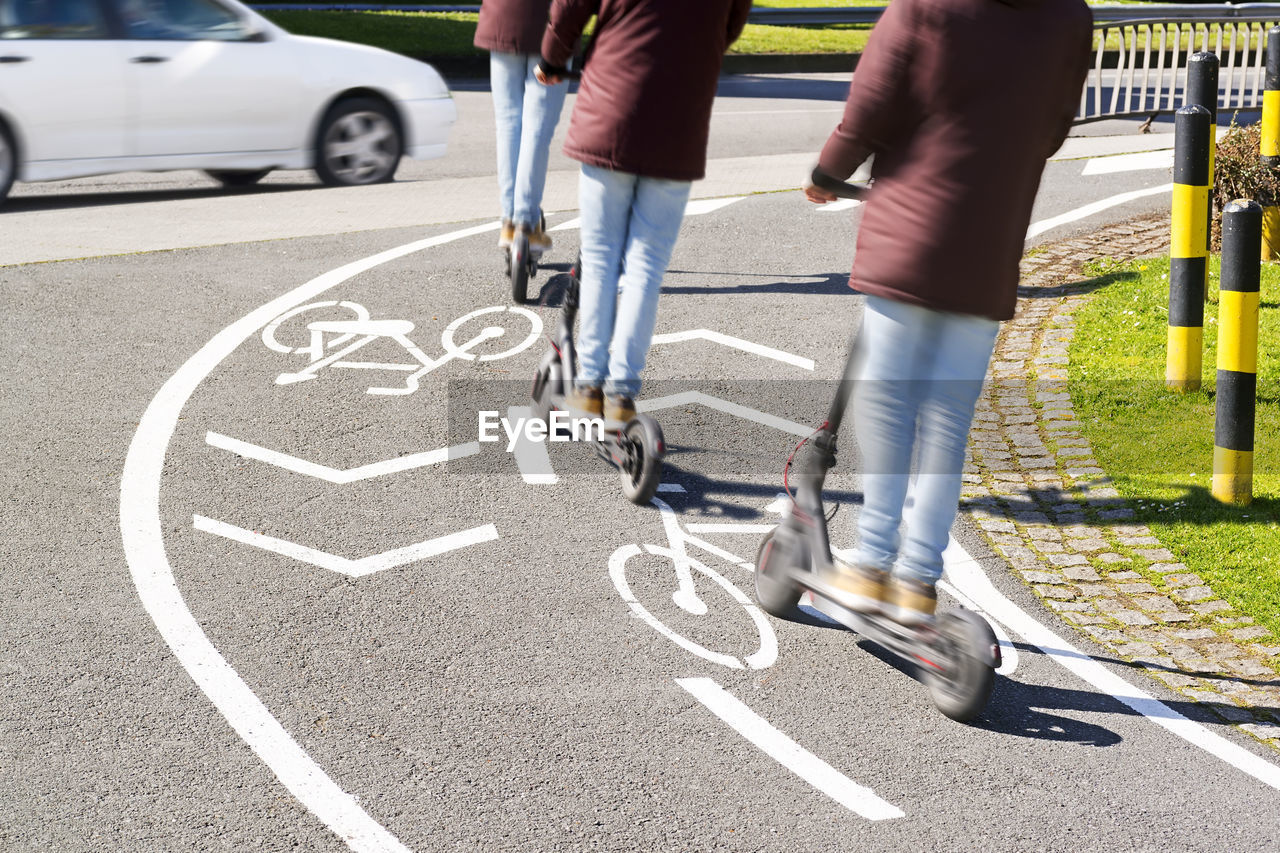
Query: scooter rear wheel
778	596
521	268
641	468
963	688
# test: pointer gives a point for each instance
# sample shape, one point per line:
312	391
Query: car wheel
359	143
237	177
8	161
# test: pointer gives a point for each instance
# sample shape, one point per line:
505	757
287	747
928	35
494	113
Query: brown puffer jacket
961	101
512	26
644	106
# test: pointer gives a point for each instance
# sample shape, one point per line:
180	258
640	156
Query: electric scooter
636	447
956	657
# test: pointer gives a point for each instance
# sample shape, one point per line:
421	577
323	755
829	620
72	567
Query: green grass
1158	445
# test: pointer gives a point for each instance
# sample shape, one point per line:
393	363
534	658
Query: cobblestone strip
1034	488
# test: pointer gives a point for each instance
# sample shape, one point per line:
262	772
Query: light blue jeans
629	229
920	376
525	113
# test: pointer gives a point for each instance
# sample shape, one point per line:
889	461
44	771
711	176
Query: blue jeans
920	377
525	113
629	229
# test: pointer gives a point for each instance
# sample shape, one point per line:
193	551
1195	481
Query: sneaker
910	602
619	408
863	586
506	234
539	241
587	401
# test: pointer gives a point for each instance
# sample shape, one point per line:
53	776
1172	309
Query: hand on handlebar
546	76
818	195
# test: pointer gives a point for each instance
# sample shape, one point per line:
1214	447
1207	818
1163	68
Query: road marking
691	398
966	574
335	475
671	487
531	456
694	207
143	542
856	798
1129	162
839	205
1044	225
343	565
735	343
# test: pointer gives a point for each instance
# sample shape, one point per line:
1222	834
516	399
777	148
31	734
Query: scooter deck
904	641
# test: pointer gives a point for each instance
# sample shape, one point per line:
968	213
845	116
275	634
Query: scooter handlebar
837	187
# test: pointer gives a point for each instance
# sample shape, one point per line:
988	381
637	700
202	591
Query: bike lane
501	691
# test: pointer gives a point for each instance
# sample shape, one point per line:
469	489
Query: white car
91	87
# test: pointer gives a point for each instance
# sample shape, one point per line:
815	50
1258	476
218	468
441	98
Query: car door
62	80
206	81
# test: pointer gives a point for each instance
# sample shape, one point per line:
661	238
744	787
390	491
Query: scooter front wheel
778	595
643	449
961	687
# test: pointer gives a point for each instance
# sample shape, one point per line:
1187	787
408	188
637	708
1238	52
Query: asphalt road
250	608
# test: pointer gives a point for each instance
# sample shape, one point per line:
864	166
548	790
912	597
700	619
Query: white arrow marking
689	398
531	456
695	207
736	343
1129	163
334	475
343	565
791	755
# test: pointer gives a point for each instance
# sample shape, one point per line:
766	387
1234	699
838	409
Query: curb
1040	498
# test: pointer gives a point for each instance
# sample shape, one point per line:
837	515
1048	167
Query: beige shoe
506	234
863	587
539	241
910	602
586	402
619	407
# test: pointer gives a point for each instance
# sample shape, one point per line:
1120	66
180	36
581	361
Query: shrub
1238	174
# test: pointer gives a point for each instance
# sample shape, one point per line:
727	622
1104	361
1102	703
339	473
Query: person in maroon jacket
524	112
961	102
639	128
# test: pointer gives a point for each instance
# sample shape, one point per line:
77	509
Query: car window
52	19
181	20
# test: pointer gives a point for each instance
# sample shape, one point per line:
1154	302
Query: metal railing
1140	66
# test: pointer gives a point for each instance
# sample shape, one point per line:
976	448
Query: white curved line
446	337
153	576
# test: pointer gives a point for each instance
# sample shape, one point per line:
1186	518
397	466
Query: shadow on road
810	284
71	200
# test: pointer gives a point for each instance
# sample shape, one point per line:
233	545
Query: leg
655	218
961	352
542	106
885	411
604	199
506	82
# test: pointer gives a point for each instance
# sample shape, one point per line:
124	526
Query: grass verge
1158	445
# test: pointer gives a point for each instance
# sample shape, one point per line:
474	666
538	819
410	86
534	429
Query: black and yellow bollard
1188	250
1202	90
1270	145
1237	353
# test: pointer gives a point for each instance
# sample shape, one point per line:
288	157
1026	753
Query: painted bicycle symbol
685	596
329	343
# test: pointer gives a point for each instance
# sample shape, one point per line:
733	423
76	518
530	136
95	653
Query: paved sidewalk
1034	488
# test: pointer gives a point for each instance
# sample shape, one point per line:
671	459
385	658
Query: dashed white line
858	799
